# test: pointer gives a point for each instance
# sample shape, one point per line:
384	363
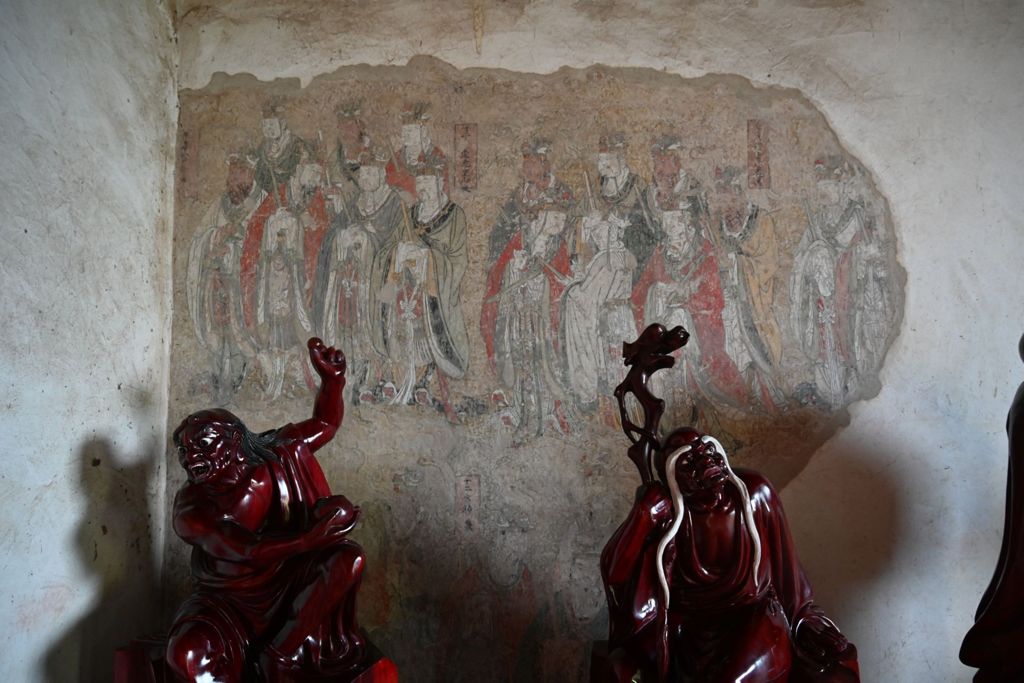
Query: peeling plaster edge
164	249
842	421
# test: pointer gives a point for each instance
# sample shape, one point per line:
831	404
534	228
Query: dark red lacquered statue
276	578
994	643
702	579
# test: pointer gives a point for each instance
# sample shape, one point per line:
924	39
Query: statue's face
412	136
428	188
666	170
610	164
701	470
208	449
272	128
370	178
240	179
535	169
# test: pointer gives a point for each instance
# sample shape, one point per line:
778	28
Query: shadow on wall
115	544
848	527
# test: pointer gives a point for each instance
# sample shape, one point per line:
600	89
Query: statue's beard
679	502
306	194
610	185
712	479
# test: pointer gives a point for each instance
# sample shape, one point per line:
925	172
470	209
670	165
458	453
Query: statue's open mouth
713	474
199	470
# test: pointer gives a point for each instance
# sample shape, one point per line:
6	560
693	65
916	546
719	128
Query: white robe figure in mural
213	282
596	312
345	294
423	334
821	287
282	318
875	311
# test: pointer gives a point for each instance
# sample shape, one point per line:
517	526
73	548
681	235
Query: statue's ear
236	441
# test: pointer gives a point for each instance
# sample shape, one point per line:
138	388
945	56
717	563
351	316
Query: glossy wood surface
995	643
276	577
735	604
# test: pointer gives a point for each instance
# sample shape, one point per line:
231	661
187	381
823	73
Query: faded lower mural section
480	243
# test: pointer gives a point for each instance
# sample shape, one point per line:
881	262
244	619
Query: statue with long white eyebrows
702	579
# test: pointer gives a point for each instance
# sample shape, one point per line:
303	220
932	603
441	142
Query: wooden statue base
143	662
609	667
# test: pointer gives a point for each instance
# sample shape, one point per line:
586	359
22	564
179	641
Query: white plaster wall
87	121
898	519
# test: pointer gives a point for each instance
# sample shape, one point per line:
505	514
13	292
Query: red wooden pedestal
143	662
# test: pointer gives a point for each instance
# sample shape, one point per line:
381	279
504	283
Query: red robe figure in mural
686	279
213	282
275	577
520	315
680	284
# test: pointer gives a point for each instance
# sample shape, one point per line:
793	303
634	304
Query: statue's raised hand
328	361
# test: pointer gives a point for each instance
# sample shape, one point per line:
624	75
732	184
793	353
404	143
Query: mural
481	243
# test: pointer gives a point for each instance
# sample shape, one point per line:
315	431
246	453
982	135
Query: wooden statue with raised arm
702	580
275	576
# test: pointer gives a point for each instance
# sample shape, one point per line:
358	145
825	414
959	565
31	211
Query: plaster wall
898	518
87	107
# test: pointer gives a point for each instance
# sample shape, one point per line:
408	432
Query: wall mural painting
480	243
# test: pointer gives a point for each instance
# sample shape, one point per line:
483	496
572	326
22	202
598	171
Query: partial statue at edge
275	576
702	580
993	644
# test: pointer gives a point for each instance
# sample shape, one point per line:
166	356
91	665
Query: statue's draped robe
245	600
700	627
993	644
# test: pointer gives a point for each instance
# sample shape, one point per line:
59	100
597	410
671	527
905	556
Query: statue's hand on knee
819	640
335	516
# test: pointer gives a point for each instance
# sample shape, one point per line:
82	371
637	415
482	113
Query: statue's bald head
211	442
213	416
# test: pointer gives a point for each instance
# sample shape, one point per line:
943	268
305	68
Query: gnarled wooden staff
649	353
